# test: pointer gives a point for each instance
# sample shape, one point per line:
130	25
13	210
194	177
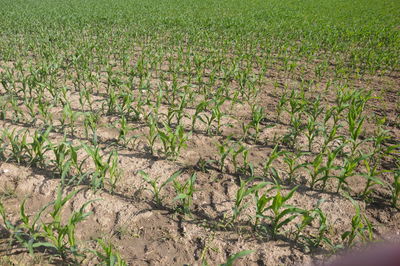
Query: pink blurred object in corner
387	254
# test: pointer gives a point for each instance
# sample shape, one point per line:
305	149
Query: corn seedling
62	160
236	256
108	256
290	159
348	169
62	236
395	187
124	129
236	151
244	190
28	232
257	116
372	177
90	123
316	169
156	186
329	166
275	153
173	140
201	107
38	147
114	171
330	135
361	227
185	193
281	105
312	132
282	213
103	169
152	135
18	143
3	104
215	116
69	117
224	151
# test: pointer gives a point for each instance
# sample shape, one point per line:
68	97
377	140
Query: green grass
358	34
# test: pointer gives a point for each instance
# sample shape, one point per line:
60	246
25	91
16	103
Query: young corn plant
245	129
295	110
236	151
395	187
3	147
19	145
317	239
290	159
371	175
215	116
3	108
203	164
230	261
29	239
61	236
79	174
110	107
62	160
7	224
18	114
99	174
103	169
246	164
173	140
201	107
295	131
244	190
124	129
355	117
275	153
90	124
69	117
361	228
330	135
224	151
257	116
329	165
85	99
314	110
348	169
282	213
38	148
108	256
114	171
44	109
152	135
355	122
218	114
185	193
28	232
343	99
31	106
177	112
312	132
283	100
316	169
157	186
170	115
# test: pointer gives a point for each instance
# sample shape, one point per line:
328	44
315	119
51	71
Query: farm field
197	132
